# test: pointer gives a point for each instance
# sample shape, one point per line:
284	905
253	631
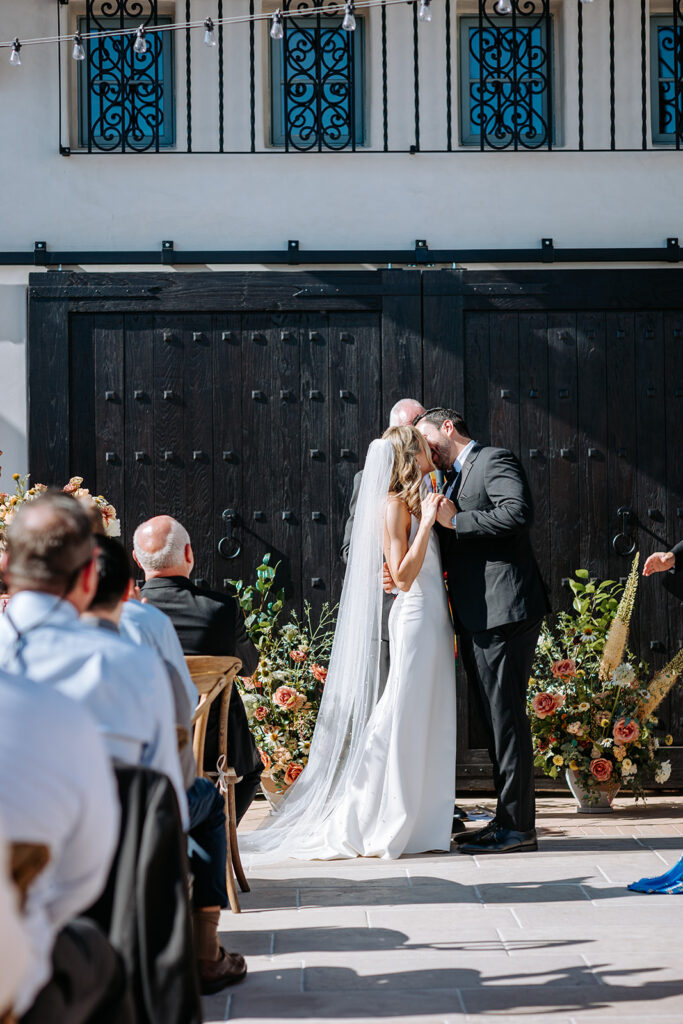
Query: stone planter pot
584	804
272	792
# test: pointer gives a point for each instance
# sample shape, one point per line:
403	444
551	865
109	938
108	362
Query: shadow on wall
14	458
13	442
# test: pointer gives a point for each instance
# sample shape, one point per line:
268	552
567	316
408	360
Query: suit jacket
678	552
211	623
388	599
493	578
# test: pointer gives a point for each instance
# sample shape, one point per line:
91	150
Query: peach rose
260	713
319	673
545	703
298	655
287	697
601	769
265	759
564	669
626	731
293	772
73	485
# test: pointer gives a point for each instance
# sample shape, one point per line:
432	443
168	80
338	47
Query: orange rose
564	669
287	697
319	672
293	772
260	713
298	655
265	759
73	484
601	769
545	703
626	731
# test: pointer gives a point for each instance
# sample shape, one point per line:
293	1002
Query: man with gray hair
206	623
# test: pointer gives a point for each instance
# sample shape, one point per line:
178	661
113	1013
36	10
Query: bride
380	779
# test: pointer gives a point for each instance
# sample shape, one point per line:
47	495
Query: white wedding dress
381	776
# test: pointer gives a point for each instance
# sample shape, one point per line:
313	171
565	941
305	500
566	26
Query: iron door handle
624	542
229	546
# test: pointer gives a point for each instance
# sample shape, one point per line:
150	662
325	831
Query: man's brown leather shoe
217	974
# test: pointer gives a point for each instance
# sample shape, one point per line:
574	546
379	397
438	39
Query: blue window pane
666	81
126	99
318	90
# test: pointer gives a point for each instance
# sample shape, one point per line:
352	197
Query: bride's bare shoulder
397	510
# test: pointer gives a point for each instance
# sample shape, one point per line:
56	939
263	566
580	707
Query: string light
209	33
276	29
349	22
140	44
78	51
503	6
15	56
425	11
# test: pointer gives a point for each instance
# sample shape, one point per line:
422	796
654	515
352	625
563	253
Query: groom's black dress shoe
459	812
502	840
459	827
473	835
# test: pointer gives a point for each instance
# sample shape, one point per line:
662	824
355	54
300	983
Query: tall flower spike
349	22
15	55
617	636
78	51
209	33
276	29
140	44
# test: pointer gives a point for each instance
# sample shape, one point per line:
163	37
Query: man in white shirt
52	579
57	788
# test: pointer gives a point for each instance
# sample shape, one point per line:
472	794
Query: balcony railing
481	75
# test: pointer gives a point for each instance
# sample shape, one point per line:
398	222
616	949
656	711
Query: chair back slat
213	677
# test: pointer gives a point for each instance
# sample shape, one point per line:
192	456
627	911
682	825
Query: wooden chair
26	861
214	677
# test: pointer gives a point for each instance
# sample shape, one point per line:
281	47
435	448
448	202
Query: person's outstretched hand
661	561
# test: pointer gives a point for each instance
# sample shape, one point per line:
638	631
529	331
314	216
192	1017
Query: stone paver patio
552	936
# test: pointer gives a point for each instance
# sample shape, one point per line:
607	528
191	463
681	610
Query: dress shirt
56	787
145	624
458	467
14	947
125	688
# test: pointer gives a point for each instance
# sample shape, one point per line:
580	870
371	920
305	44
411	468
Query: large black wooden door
257	395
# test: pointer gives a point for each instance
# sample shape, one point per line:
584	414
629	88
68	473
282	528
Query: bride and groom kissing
380	780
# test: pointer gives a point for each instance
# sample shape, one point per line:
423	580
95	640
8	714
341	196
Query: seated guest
57	788
217	969
14	948
206	623
52	578
144	624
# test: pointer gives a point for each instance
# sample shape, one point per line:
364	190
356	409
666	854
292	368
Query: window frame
277	84
667	139
471	140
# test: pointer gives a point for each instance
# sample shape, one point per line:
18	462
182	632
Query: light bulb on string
15	55
349	22
209	33
140	44
78	51
586	1
276	29
425	11
503	7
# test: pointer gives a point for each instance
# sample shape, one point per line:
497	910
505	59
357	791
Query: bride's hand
430	507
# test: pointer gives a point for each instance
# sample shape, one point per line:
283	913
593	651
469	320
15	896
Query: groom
498	602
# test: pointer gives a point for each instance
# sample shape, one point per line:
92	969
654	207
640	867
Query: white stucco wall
327	201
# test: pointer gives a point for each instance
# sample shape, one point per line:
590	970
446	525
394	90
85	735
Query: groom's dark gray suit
498	601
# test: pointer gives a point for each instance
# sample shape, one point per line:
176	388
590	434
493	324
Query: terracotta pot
591	801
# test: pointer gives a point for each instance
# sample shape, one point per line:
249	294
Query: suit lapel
466	469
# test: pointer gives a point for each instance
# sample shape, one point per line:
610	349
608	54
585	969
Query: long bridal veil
352	686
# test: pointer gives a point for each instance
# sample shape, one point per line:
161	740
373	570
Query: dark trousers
88	985
207	844
498	661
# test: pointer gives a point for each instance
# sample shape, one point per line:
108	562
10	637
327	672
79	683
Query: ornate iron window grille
318	80
507	77
125	98
667	73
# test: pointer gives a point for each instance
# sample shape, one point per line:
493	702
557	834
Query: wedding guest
52	579
14	946
207	848
207	623
665	561
498	602
57	788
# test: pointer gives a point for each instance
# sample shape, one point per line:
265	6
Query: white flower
113	528
655	742
628	768
623	675
606	742
663	773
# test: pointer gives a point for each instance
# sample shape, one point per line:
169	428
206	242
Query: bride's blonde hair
406	475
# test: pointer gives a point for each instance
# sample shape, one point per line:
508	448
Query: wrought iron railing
480	75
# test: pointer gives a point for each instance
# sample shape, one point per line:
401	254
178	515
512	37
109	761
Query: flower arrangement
283	695
590	711
9	503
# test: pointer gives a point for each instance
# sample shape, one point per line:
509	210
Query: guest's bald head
404	412
162	547
49	542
